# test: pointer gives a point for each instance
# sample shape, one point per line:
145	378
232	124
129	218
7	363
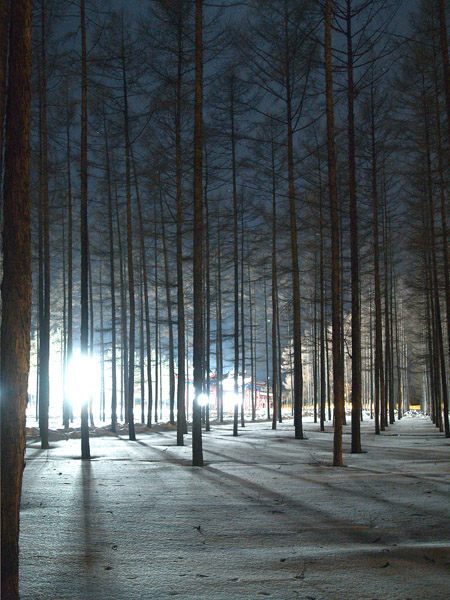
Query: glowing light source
203	400
82	380
230	400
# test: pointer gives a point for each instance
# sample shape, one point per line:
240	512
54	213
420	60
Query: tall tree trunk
389	383
91	329
379	379
181	329
142	345
338	371
84	330
219	352
280	384
252	352
68	408
169	320
16	291
297	328
207	301
44	362
148	347
266	333
275	391
123	314
235	263
314	341
323	332
132	299
354	246
112	284
242	316
157	394
102	351
197	450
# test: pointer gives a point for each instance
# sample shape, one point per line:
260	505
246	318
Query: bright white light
230	400
82	380
203	400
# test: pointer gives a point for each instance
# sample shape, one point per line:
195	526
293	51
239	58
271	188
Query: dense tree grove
358	287
238	210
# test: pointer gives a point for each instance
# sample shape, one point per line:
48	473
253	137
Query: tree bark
219	352
338	371
181	330
85	451
4	25
243	357
130	261
197	449
235	262
354	246
169	320
68	408
297	328
112	285
44	328
148	347
379	379
15	291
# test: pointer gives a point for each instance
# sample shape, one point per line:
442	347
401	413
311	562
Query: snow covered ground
266	517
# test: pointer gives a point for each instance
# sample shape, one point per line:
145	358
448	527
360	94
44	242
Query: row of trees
264	155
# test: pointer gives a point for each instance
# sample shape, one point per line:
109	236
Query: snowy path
267	516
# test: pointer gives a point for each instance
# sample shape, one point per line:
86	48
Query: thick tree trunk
16	291
4	24
197	450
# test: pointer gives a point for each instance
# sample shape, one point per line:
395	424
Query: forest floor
267	516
